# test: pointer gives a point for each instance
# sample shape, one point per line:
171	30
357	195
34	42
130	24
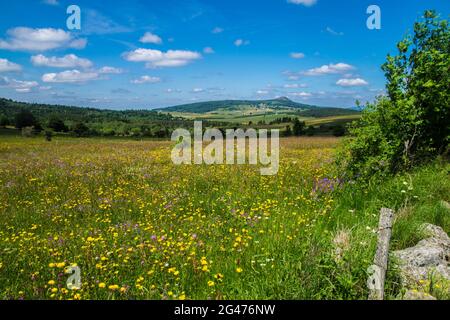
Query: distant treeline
84	122
30	119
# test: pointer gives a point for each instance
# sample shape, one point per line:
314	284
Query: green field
140	227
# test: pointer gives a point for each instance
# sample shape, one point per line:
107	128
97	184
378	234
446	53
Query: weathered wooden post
379	267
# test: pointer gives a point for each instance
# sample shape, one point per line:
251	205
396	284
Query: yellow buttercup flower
113	287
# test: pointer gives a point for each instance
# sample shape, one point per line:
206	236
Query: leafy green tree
4	121
310	131
338	131
299	127
411	124
288	131
80	129
57	125
25	119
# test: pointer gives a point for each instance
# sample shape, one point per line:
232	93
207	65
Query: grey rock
429	258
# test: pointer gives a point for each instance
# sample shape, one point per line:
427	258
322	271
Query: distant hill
9	108
278	104
135	123
276	113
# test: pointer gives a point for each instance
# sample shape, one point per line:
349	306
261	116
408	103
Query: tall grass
141	228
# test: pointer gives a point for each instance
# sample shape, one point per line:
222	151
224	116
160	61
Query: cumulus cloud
217	30
294	86
352	82
307	3
110	70
157	58
297	55
70	76
149	37
241	42
18	85
197	90
28	39
67	61
301	94
329	69
8	66
146	79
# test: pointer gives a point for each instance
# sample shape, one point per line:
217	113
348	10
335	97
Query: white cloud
241	42
262	92
157	58
110	70
146	79
295	86
78	44
217	30
197	90
28	39
301	94
333	32
329	69
208	50
70	76
170	90
307	3
149	37
51	2
352	82
68	61
297	55
8	66
18	85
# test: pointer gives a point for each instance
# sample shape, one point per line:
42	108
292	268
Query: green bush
411	124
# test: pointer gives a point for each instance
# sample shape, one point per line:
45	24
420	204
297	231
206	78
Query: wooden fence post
376	281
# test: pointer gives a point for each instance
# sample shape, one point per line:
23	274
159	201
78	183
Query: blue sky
148	54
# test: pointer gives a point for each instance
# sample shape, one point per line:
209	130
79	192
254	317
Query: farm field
140	227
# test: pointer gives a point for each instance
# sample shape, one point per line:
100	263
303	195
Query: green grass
99	203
